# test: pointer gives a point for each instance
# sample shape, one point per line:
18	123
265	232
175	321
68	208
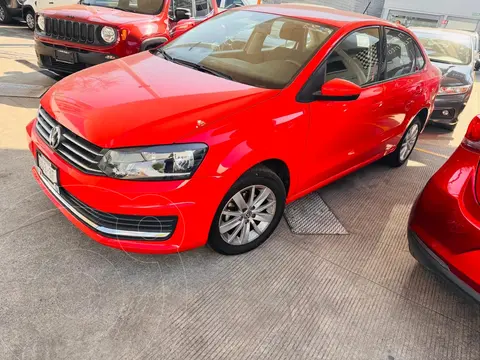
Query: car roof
317	13
442	31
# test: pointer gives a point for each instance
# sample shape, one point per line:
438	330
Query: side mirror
182	14
338	90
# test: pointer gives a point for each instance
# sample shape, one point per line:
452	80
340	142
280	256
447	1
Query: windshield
454	49
150	7
253	48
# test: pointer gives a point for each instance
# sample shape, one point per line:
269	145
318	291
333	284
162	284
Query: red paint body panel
446	216
144	100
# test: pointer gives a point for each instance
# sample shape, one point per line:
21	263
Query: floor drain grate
22	90
311	216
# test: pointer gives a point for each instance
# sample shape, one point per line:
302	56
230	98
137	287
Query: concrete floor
356	296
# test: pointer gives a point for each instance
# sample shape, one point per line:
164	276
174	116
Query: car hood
455	75
95	14
145	100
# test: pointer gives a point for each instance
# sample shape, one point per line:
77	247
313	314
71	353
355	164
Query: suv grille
74	31
73	149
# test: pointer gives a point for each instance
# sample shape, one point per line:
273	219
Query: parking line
432	153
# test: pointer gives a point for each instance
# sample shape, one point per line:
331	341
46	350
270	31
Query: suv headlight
108	34
168	162
41	22
454	90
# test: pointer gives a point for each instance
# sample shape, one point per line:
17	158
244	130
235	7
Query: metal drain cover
311	216
22	90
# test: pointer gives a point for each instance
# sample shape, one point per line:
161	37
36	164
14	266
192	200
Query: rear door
404	85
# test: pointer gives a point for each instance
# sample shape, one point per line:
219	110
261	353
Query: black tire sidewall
8	18
252	177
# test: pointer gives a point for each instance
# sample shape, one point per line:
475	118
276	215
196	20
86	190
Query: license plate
48	171
65	56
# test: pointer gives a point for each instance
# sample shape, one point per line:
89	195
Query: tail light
472	137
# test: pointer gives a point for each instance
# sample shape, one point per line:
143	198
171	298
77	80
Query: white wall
462	8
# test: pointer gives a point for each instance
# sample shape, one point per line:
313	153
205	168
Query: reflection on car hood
455	75
96	14
144	100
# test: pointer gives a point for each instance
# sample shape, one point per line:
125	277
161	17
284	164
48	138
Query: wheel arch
422	115
280	168
152	42
25	9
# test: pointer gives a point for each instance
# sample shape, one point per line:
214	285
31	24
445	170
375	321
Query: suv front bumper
454	104
82	58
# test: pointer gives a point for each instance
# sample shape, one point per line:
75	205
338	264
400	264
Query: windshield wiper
164	54
441	61
193	65
205	69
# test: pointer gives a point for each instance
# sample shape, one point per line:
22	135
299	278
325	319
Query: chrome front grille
77	151
73	31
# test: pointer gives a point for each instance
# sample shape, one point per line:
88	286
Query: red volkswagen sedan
206	139
444	229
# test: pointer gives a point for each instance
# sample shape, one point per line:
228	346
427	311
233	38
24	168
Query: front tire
30	19
5	17
406	145
249	212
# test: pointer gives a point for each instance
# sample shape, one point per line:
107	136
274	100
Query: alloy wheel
2	14
247	215
409	142
30	20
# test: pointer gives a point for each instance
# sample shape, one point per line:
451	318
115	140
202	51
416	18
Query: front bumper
187	201
429	259
82	58
454	104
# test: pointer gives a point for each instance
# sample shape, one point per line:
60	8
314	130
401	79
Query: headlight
109	35
454	90
41	22
169	162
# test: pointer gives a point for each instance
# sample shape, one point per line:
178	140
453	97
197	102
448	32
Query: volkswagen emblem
55	137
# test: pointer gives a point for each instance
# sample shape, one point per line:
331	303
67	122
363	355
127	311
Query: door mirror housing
182	14
338	90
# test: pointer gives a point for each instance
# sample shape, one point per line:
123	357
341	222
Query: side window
419	59
203	7
186	4
356	58
171	13
400	54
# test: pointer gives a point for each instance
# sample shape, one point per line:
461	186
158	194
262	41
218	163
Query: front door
345	134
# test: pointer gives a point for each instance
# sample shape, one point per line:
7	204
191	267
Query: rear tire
5	17
249	224
406	145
